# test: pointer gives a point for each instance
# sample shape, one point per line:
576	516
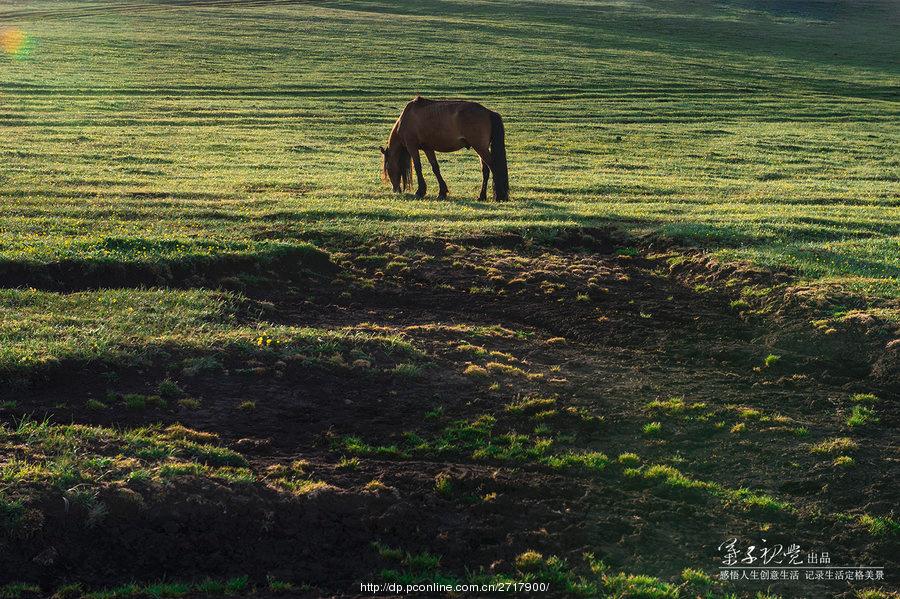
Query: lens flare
15	42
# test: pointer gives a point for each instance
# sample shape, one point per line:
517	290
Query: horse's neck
394	139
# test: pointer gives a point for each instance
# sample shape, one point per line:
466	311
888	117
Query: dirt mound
829	330
196	527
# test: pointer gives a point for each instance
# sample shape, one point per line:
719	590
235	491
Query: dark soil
602	333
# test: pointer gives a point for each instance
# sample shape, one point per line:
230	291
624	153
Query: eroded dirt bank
564	400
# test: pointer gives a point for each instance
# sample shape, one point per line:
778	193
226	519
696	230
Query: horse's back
448	125
445	108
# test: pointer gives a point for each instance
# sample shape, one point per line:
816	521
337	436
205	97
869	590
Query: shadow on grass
130	263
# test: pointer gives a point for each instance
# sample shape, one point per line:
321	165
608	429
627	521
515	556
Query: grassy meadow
125	128
221	332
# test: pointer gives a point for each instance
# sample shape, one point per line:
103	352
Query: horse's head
396	167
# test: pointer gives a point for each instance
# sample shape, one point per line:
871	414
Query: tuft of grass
65	456
836	445
653	429
95	404
183	433
505	369
864	398
247	406
771	360
861	416
346	463
475	371
16	590
69	591
672	477
356	446
672	405
758	500
696	578
590	460
749	414
200	365
880	526
638	585
387	552
416	567
167	589
435	413
169	389
375	486
843	461
876	594
208	587
473	349
529	561
408	369
189	403
135	401
279	586
299	486
675	405
739	304
629	459
156	401
443	483
422	561
530	404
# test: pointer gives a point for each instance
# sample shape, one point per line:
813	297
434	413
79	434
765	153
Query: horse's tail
498	159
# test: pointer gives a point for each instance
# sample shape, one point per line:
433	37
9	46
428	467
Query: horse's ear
383	151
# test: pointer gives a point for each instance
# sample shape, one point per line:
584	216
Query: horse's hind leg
485	173
485	156
442	194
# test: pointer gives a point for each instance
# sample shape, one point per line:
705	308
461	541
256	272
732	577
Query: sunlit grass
133	138
42	329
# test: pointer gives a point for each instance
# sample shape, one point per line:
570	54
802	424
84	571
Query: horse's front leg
417	162
442	185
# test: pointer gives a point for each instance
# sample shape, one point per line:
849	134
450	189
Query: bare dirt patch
542	365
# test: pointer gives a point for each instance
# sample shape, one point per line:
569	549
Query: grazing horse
445	126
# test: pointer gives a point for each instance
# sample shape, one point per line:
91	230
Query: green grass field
221	333
769	136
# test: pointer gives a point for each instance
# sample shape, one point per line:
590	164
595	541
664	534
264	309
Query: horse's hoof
442	196
420	193
482	198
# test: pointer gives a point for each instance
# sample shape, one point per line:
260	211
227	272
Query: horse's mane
404	159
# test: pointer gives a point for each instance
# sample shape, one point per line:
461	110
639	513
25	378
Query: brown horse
445	126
